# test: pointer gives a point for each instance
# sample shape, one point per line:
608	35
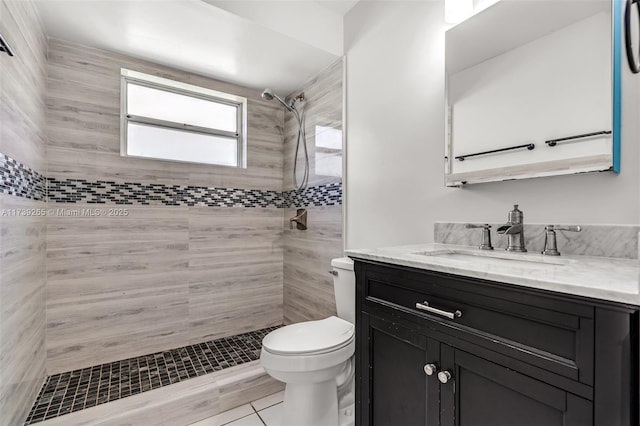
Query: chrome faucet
514	229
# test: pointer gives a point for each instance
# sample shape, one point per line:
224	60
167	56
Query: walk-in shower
291	107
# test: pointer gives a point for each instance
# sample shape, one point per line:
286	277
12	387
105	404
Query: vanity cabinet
514	356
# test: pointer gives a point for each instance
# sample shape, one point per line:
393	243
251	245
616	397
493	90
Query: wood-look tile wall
162	276
22	237
322	110
308	287
84	128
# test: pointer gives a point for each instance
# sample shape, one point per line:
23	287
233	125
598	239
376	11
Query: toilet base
310	404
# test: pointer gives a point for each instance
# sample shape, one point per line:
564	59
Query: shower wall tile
322	109
22	313
308	286
322	195
23	85
20	180
157	278
84	122
235	270
183	268
198	257
22	236
117	286
136	193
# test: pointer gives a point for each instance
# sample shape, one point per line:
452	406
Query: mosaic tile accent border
321	195
75	390
20	180
103	192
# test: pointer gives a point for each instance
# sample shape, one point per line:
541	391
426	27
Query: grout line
235	420
268	406
261	419
262	409
272	405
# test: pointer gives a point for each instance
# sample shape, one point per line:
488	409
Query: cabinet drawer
547	331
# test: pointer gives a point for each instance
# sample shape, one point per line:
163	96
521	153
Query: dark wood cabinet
515	356
481	392
396	380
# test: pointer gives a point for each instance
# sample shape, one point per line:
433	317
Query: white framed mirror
533	90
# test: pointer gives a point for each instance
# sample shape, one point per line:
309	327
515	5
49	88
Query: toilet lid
310	337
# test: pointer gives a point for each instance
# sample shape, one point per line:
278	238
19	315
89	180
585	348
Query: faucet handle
550	243
573	228
485	244
477	225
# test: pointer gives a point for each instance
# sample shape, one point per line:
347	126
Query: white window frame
167	85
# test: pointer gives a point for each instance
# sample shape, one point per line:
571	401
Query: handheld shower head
268	95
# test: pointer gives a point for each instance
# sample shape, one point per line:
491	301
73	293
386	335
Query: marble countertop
602	278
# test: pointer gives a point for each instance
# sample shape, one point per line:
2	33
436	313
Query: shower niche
532	90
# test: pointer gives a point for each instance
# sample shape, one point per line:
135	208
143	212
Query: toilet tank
344	288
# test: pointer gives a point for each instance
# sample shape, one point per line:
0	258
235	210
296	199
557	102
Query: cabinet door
482	393
394	388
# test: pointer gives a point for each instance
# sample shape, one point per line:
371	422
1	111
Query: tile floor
266	411
76	390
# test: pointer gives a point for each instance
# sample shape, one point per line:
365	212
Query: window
328	151
168	120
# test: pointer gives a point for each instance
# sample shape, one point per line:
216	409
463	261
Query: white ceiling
340	7
280	45
307	21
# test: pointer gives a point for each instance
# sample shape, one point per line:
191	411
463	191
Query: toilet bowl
315	360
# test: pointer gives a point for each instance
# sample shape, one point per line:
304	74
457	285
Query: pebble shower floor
71	391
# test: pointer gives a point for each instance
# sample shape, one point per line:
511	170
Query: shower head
268	95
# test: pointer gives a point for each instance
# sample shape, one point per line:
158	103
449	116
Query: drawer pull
424	306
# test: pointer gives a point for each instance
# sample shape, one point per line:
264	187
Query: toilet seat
310	337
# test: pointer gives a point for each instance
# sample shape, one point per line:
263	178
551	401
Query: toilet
315	360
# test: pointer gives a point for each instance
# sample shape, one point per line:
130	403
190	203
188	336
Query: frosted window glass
328	151
171	144
328	137
153	103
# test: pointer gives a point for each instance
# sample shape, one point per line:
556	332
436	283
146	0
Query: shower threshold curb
181	403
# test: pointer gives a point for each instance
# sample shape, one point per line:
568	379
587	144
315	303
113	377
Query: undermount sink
496	257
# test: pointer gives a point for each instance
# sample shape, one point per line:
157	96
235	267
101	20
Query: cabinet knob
444	376
429	369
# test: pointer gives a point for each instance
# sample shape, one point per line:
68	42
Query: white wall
395	141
